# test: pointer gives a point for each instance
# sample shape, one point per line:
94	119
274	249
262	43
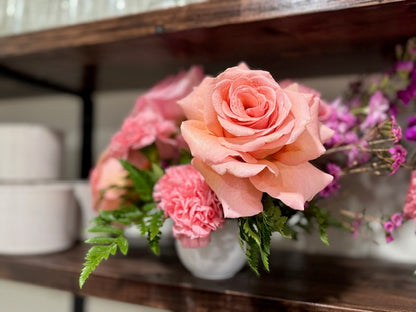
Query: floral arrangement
201	150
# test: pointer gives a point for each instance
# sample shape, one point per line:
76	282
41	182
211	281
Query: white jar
222	258
37	218
29	152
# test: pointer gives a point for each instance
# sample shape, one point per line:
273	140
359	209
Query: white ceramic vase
222	258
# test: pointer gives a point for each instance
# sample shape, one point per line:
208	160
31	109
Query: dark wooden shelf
297	282
288	38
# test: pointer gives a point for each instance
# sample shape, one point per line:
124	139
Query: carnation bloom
184	196
409	209
108	179
249	136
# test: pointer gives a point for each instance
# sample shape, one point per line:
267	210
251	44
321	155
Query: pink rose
249	136
163	97
185	197
409	208
108	178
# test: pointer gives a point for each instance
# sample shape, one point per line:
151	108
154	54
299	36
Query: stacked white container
38	211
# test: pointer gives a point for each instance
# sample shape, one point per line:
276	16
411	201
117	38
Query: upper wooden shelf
297	282
288	38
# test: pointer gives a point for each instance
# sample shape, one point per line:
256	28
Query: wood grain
201	15
288	38
297	282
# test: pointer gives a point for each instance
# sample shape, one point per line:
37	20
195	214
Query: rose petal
203	144
294	185
193	103
238	168
239	198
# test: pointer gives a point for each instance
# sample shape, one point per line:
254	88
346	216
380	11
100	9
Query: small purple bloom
395	129
356	155
393	109
389	238
409	93
356	224
398	155
405	96
341	121
389	226
397	219
410	132
334	186
379	106
404	66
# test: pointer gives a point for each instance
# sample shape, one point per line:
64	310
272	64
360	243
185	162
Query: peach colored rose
108	173
186	198
409	208
163	97
249	136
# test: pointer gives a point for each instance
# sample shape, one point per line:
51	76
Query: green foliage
137	209
185	157
256	232
102	249
323	219
143	180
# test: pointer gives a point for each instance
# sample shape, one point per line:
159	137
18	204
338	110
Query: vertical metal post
78	305
87	127
88	83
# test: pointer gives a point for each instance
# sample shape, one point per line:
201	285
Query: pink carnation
409	208
186	198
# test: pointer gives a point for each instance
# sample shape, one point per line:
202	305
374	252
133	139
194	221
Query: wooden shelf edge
194	16
296	282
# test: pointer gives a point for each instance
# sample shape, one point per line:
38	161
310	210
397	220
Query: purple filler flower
410	92
397	219
398	155
334	186
356	224
396	130
410	132
379	106
389	226
404	66
389	238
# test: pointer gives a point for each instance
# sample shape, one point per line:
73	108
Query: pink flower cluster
154	120
185	197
